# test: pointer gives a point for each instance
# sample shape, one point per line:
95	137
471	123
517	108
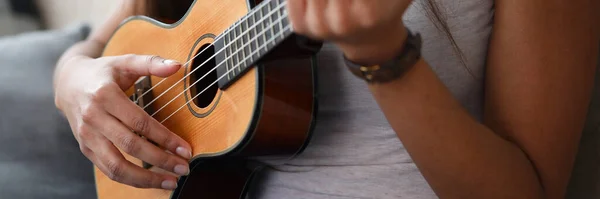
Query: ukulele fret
251	34
240	46
258	29
282	23
246	47
265	24
253	37
274	18
233	56
228	52
239	49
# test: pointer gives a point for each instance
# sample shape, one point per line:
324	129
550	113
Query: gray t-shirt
354	153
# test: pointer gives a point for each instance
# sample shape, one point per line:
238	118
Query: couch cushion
39	158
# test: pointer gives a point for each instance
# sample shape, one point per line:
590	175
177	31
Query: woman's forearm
539	76
459	157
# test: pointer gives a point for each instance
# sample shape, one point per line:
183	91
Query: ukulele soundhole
202	79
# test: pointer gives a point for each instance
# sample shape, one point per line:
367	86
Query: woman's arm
539	79
549	51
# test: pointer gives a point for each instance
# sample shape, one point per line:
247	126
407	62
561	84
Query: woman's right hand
90	94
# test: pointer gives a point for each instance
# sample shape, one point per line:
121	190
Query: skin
89	91
538	84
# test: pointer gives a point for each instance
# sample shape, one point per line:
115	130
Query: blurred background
17	16
39	157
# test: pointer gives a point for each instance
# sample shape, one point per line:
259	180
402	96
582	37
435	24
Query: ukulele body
268	111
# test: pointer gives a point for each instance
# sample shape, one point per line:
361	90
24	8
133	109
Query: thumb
145	65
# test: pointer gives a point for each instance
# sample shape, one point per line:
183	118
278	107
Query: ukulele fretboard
250	39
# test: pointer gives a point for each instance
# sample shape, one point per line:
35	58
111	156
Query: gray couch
39	158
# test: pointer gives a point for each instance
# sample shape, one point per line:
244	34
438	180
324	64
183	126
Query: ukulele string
233	68
198	54
221	63
225	47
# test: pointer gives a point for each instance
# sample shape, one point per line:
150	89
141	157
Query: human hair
438	17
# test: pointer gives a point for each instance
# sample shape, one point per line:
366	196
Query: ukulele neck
250	39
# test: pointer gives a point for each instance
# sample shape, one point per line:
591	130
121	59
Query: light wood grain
228	122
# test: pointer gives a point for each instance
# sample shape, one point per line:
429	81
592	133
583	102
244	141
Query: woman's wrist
389	59
74	54
381	48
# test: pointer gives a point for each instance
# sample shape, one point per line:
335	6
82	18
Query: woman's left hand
367	31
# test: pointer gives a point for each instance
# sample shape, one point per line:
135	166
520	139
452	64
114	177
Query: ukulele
246	90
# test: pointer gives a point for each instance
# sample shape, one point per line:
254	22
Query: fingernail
183	152
168	184
182	170
170	62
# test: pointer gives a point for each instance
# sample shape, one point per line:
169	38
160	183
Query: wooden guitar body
267	111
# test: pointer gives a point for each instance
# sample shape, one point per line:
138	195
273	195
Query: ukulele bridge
140	96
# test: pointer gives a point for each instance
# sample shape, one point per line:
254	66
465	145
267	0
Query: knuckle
319	33
320	30
85	151
299	28
153	59
317	27
341	30
114	170
151	181
169	141
146	181
129	144
99	94
84	133
105	90
368	16
141	125
167	162
88	113
369	21
344	27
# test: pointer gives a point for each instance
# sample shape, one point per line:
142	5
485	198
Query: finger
139	121
144	65
315	19
140	148
112	163
296	10
87	152
339	18
368	15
